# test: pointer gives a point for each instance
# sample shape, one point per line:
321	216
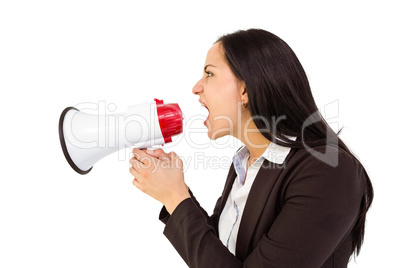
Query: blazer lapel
228	187
256	201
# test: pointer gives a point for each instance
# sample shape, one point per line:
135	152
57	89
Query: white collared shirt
230	218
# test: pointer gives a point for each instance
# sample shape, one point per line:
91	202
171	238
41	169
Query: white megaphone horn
86	138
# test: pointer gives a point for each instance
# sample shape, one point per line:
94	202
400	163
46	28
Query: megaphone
86	138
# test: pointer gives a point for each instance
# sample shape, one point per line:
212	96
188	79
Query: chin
216	134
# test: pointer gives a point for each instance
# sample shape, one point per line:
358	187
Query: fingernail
150	151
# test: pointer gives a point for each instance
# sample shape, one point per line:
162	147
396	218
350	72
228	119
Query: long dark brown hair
277	85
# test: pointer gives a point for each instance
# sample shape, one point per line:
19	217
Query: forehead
215	54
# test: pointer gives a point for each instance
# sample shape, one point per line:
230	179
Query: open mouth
203	105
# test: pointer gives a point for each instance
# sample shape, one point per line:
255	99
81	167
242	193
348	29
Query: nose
198	88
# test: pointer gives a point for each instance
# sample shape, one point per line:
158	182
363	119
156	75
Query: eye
209	74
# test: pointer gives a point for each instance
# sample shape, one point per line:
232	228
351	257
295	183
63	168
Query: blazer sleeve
212	220
321	206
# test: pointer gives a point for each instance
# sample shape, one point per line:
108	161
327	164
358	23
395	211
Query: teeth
203	112
204	106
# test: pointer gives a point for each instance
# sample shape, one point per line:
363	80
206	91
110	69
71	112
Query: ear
243	93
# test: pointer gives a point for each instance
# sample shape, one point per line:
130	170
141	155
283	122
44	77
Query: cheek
227	102
223	100
229	107
225	113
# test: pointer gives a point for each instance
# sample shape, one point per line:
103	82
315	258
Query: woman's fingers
172	155
141	156
135	173
137	181
137	184
137	164
159	153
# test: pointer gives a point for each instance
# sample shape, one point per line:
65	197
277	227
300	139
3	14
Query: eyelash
209	74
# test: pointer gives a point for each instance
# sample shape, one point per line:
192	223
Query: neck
255	142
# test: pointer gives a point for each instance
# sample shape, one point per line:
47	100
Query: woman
295	196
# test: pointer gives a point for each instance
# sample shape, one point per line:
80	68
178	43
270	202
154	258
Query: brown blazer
298	214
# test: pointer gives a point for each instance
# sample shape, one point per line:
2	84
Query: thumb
158	153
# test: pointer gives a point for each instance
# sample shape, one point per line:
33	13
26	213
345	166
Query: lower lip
205	122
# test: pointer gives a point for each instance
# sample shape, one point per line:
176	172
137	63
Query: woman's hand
160	175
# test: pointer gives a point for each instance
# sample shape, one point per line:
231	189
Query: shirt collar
274	153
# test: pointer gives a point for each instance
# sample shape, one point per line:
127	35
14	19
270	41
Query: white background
55	54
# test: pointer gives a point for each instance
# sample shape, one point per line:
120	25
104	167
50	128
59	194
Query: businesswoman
295	196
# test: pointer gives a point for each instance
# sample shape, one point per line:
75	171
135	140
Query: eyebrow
205	68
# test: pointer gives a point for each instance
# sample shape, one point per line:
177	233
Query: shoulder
325	158
325	170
